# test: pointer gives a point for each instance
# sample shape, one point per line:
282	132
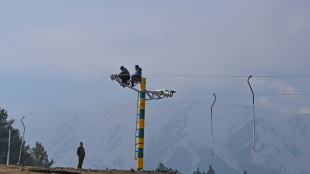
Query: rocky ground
15	169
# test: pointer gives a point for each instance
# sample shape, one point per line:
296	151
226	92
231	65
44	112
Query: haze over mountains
178	135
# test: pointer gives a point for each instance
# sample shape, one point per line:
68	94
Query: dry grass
15	169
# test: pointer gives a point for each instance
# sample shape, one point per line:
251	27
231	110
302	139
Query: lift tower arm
143	95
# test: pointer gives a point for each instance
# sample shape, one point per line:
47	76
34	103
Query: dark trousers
135	79
124	77
81	159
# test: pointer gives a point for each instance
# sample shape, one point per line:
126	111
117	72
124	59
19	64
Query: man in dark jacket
137	76
81	154
124	75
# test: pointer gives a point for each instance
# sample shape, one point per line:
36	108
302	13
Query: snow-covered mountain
178	135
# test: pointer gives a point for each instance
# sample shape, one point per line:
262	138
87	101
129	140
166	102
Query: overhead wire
85	116
187	75
64	98
67	96
179	75
212	124
271	94
88	115
227	76
183	92
253	114
108	109
233	76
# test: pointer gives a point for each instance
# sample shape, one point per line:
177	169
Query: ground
16	169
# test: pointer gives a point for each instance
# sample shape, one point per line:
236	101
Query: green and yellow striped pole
141	124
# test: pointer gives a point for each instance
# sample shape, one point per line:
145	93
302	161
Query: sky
51	49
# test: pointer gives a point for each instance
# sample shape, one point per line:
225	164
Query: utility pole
21	145
144	95
140	144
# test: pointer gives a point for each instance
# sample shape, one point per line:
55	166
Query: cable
67	96
109	109
209	93
186	75
171	75
294	76
86	116
212	124
253	114
226	76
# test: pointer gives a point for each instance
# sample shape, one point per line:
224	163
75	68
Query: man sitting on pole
137	76
124	75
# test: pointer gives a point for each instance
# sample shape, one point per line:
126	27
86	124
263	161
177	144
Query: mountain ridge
178	135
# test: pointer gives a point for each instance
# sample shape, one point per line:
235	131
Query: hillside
177	134
14	169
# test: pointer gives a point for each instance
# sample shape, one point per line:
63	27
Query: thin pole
212	125
9	148
141	124
254	151
21	145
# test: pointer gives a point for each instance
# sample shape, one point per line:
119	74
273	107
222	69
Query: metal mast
143	95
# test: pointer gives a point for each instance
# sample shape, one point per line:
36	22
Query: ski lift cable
266	94
84	116
67	96
193	76
254	151
212	124
227	76
96	82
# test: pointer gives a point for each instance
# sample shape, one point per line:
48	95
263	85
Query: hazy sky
51	48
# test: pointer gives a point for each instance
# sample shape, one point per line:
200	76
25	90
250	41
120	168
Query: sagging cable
212	124
254	151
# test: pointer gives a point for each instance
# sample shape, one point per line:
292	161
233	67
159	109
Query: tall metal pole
143	95
9	149
21	145
141	124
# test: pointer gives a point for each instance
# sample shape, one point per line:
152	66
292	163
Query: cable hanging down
254	151
212	125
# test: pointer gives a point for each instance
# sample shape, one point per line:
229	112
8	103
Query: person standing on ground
81	155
